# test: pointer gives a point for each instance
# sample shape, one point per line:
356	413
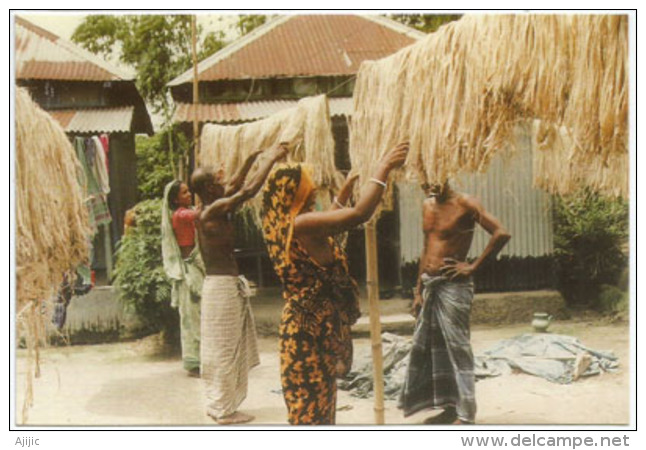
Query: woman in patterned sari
320	296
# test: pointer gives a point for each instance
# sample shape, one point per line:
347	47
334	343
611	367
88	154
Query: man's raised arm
236	182
251	186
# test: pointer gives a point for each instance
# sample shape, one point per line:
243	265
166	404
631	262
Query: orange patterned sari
320	304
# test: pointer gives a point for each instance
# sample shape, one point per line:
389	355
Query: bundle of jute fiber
51	216
457	94
564	170
52	232
306	128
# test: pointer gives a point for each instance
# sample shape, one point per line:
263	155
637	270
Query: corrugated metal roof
63	117
104	120
42	55
505	190
249	111
305	45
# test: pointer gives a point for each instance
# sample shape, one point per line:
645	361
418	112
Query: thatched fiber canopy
457	94
306	128
52	233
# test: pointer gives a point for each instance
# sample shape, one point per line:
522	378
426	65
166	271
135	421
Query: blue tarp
549	356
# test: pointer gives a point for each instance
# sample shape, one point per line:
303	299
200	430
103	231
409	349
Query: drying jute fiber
457	94
51	219
306	128
51	216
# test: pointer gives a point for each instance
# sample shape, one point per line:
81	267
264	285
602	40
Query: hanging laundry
91	186
96	181
105	140
100	166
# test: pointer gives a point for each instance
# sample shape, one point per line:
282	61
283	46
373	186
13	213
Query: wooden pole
196	101
372	277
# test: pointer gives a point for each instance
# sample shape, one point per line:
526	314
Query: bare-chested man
440	371
228	345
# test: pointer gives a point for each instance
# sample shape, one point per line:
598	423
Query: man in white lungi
228	342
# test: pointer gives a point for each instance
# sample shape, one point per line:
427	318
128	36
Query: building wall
123	178
265	89
507	191
57	94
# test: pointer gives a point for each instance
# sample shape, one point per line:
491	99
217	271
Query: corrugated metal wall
411	236
506	191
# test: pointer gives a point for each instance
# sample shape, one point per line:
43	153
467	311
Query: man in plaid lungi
440	370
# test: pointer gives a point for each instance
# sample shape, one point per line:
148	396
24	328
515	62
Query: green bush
157	164
613	299
591	233
139	274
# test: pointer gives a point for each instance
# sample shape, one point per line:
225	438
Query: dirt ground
133	384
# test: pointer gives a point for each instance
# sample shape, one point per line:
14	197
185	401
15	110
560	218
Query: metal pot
541	322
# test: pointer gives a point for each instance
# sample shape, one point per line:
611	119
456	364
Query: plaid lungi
228	347
440	370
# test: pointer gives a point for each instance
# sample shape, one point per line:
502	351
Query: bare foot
236	417
446	417
461	422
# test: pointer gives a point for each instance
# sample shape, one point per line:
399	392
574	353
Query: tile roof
41	55
100	120
305	45
249	111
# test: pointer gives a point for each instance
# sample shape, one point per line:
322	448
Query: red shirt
184	226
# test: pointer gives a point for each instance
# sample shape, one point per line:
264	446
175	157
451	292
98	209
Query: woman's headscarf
286	192
182	271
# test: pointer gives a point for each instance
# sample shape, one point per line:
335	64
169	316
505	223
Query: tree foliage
157	160
157	46
427	23
139	274
591	237
248	22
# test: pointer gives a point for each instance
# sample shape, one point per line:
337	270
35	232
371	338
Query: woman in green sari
183	265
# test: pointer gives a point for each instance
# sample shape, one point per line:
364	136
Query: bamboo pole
372	280
196	126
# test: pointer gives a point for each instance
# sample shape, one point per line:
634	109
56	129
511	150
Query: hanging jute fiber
456	95
306	128
51	216
52	229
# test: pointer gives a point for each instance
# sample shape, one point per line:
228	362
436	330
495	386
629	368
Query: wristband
375	180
